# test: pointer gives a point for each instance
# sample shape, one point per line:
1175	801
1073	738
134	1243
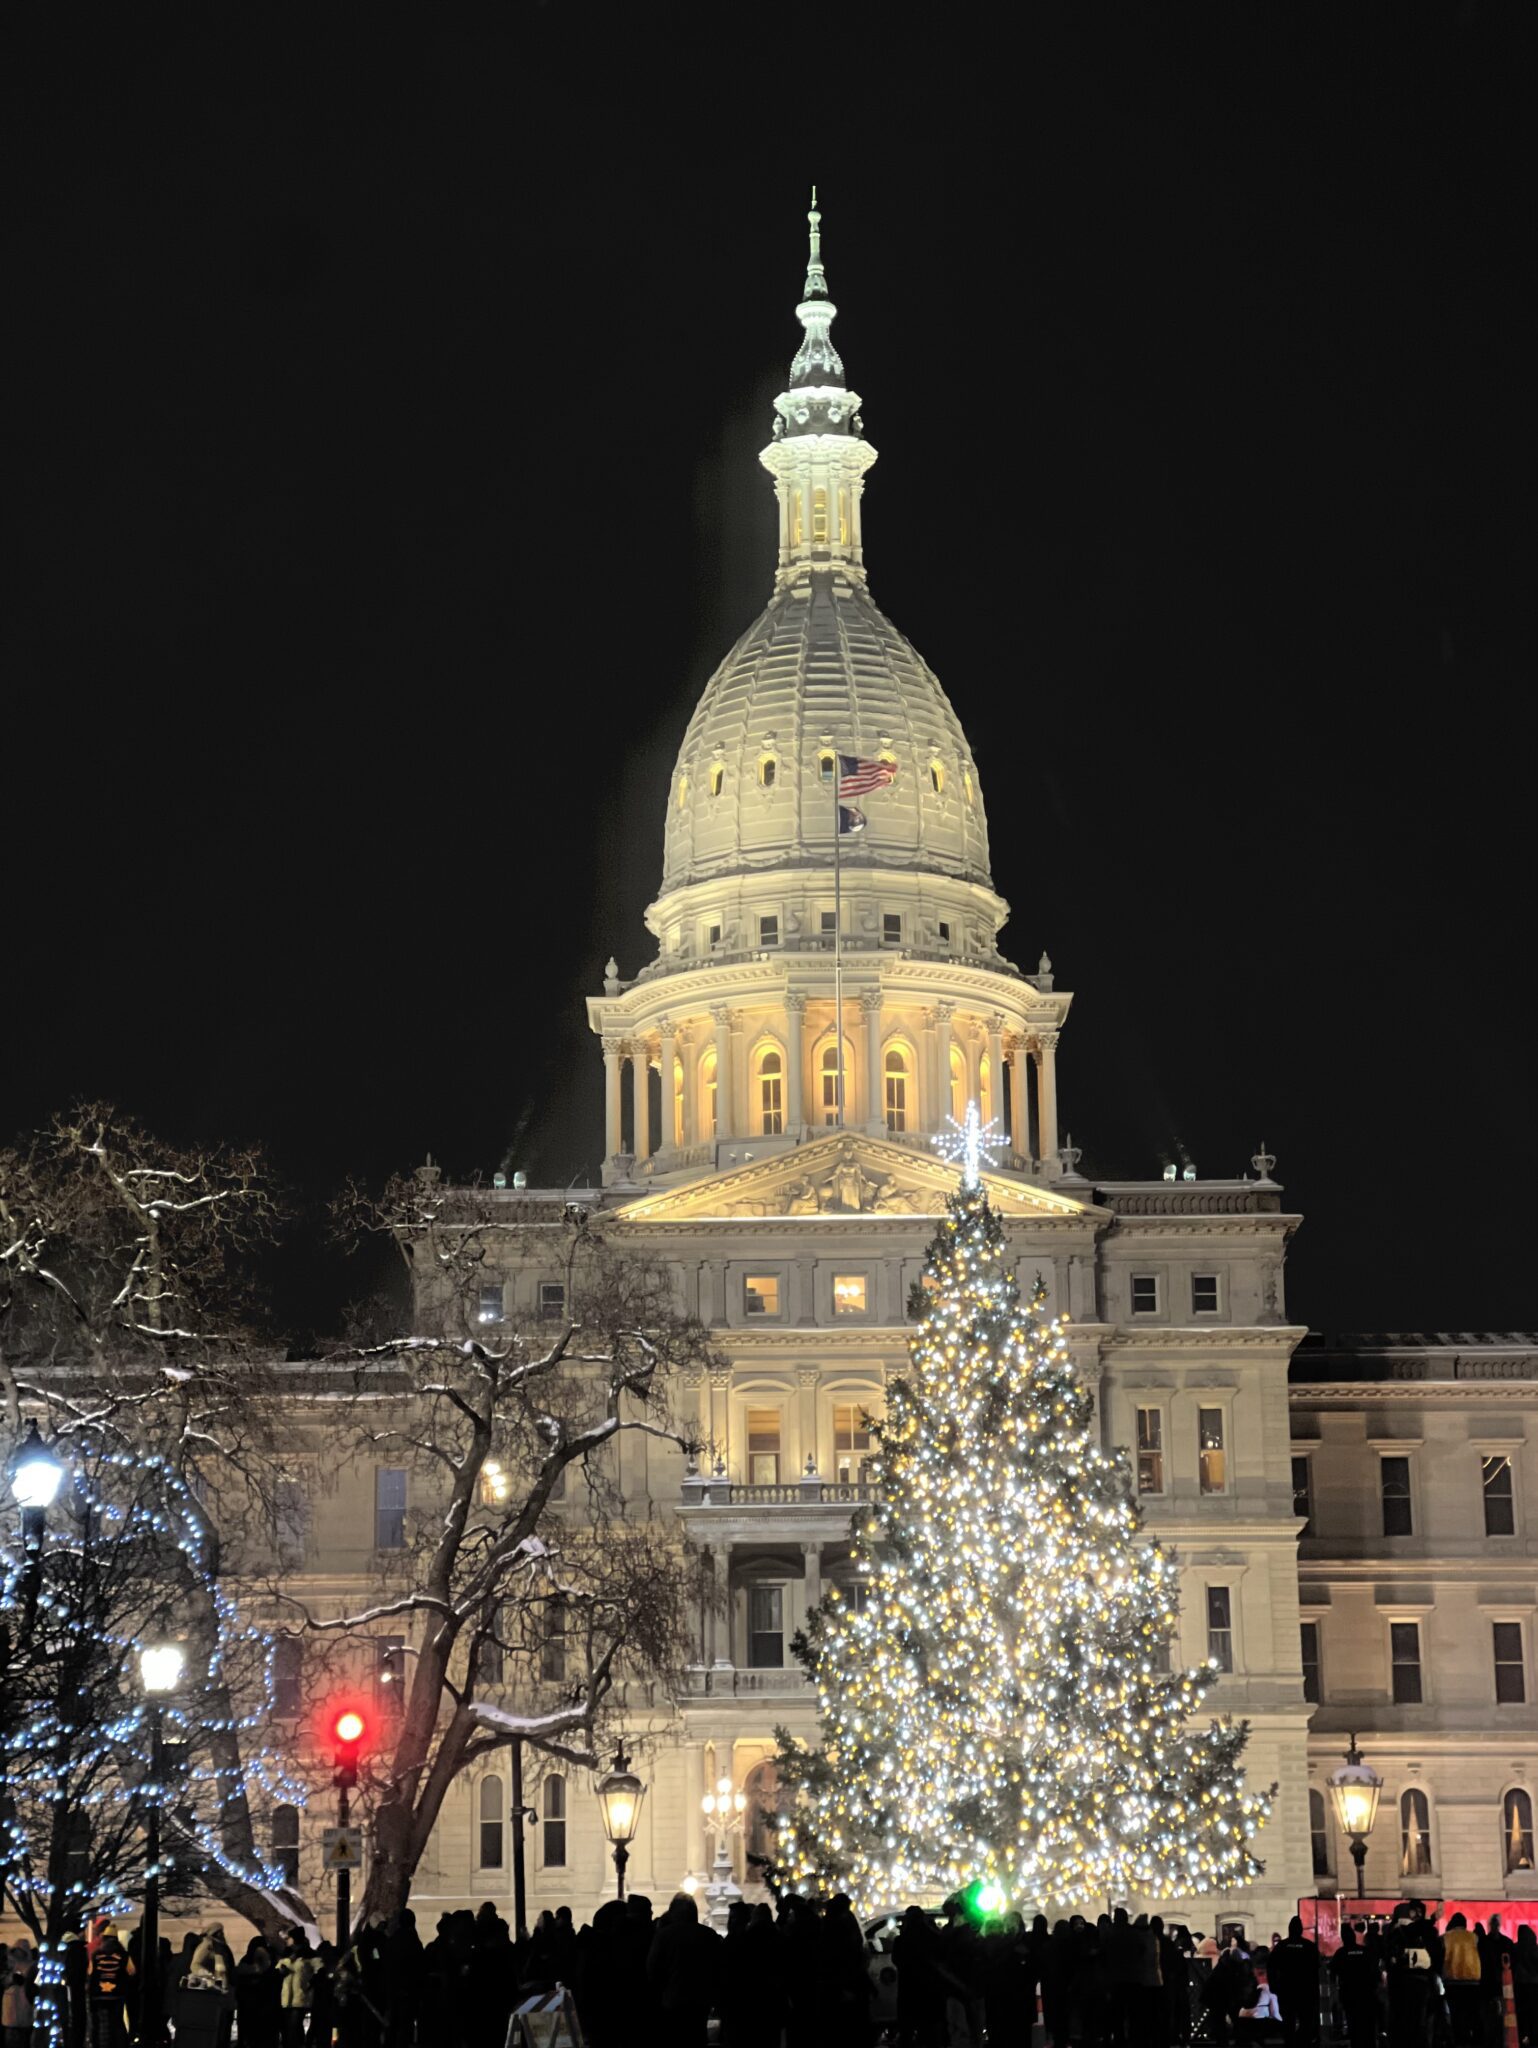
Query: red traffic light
349	1728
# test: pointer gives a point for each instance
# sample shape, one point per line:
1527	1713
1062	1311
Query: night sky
381	487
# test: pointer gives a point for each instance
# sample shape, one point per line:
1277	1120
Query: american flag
857	777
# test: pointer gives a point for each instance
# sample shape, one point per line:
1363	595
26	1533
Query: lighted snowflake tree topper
1001	1707
970	1144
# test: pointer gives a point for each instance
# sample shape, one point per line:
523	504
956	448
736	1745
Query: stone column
725	1651
668	1135
943	1015
722	1018
795	1055
720	1397
809	1377
870	1003
1046	1098
1019	1113
613	1134
996	1068
811	1591
640	1095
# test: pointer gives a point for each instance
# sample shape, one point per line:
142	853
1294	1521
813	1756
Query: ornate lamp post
725	1811
36	1474
160	1672
1355	1788
619	1797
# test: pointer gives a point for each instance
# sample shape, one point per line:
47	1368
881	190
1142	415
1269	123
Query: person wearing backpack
1461	1972
1412	1960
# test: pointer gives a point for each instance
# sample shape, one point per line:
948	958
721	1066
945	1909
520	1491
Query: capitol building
1348	1518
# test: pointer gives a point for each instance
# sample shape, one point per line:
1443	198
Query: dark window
553	1847
1303	1493
285	1842
77	1850
767	770
289	1517
945	933
1310	1634
552	1301
766	1628
489	1309
1517	1829
1404	1642
489	1656
1510	1670
1145	1294
1220	1627
828	920
1319	1833
891	926
1204	1294
389	1507
713	935
769	931
390	1672
1394	1478
1150	1450
552	1650
1500	1502
1211	1457
287	1677
491	1849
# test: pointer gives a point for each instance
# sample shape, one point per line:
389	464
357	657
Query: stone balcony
733	1681
724	1512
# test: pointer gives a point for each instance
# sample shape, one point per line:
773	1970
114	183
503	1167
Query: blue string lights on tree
1001	1708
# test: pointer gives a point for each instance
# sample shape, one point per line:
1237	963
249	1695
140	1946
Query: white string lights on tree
1001	1709
970	1144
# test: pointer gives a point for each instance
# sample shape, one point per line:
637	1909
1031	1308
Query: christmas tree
999	1706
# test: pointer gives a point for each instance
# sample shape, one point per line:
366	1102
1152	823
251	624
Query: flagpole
838	935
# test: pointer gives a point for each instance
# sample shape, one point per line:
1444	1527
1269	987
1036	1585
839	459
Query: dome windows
966	784
896	1078
770	1081
683	791
937	777
709	1123
717	779
827	764
768	771
819	516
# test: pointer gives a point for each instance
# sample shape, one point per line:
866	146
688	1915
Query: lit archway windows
958	1084
708	1124
896	1079
825	766
1517	1829
819	513
762	1787
937	777
683	791
768	769
717	779
1414	1834
985	1107
966	784
771	1092
827	1075
679	1137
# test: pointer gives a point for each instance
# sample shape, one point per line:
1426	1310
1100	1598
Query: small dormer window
936	777
891	927
717	779
825	767
966	783
767	769
769	931
683	791
712	936
945	933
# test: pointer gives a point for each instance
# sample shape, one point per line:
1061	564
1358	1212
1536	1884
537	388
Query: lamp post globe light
36	1473
160	1673
620	1794
725	1810
1355	1788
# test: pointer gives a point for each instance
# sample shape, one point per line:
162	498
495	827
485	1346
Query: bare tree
127	1325
532	1591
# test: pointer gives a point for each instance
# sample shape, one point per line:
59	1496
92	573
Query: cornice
1251	1223
1219	1337
857	1223
1444	1393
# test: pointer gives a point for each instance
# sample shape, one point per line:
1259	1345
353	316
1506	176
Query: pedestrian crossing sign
342	1848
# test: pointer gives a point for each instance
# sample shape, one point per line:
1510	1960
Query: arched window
762	1787
958	1084
966	783
683	791
828	1075
768	768
936	777
489	1835
717	779
1319	1833
1414	1834
985	1089
819	513
825	767
1517	1829
678	1103
708	1123
771	1092
285	1842
896	1090
553	1825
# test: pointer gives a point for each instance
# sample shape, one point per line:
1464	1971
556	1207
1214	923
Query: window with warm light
849	1297
683	791
1150	1450
1220	1627
678	1103
496	1484
1517	1830
1212	1459
819	513
763	1446
761	1294
958	1085
708	1120
490	1303
851	1442
896	1078
771	1097
1414	1834
717	779
829	1077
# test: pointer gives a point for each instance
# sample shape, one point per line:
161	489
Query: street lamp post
619	1796
725	1811
36	1475
1355	1787
160	1671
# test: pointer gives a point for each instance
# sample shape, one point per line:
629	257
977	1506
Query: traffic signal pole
345	1779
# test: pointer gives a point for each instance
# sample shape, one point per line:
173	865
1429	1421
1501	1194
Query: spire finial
816	279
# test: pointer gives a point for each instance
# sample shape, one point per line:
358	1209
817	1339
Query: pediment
845	1173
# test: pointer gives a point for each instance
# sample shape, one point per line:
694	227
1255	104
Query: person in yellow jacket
296	1993
1460	1978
